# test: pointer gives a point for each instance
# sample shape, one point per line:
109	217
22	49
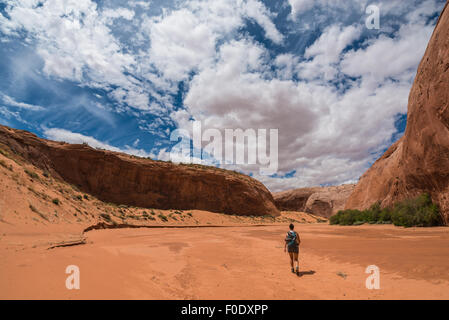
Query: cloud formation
63	135
308	68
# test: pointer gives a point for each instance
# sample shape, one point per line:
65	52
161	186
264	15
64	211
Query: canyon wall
419	161
123	179
321	201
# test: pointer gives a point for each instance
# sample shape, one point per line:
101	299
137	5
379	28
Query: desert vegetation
415	212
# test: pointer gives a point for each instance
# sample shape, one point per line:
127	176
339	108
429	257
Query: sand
237	262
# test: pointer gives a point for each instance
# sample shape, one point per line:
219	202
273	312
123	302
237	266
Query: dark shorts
294	249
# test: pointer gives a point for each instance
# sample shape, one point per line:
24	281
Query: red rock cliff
321	201
123	179
419	161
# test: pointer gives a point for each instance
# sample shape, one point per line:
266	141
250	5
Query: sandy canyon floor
237	262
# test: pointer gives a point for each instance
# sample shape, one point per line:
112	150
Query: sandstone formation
293	200
329	200
321	201
419	161
123	179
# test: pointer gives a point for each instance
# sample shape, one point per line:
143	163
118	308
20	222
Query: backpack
291	238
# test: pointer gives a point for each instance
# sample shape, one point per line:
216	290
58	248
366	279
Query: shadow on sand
305	273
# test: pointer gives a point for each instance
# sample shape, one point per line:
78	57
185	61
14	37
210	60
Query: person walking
292	242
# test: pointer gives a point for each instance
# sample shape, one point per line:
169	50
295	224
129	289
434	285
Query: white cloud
257	11
78	138
13	103
299	6
387	56
118	13
286	65
75	42
327	135
326	51
180	42
329	7
234	94
332	122
6	114
185	39
332	42
143	4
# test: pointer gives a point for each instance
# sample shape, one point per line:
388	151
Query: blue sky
122	75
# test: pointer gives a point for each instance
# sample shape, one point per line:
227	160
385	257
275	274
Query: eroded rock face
123	179
321	201
419	161
293	200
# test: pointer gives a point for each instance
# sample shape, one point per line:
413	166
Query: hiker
292	242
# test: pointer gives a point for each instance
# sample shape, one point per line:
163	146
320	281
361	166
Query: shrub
31	174
335	219
106	216
162	217
385	216
4	153
347	217
373	213
56	201
418	212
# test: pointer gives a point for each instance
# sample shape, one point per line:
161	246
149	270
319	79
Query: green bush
347	217
56	201
418	212
31	174
335	219
385	216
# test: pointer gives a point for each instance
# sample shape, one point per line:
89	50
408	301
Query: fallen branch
102	225
69	243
